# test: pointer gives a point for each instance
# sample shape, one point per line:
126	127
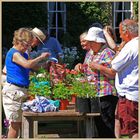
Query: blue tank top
16	74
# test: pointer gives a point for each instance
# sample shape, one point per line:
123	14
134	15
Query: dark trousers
105	123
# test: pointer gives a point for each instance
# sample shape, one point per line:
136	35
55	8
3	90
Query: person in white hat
48	43
85	46
106	92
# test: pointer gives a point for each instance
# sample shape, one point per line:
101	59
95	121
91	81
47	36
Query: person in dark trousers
106	91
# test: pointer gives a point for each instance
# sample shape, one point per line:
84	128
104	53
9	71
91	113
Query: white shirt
126	65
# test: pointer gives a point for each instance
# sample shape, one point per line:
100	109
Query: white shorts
13	96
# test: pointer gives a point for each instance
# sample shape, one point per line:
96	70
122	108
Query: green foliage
43	71
79	85
61	91
40	89
135	10
70	56
80	15
84	89
97	11
40	75
70	78
40	83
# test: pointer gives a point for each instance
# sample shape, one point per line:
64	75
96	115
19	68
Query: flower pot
82	105
95	105
31	97
73	98
63	104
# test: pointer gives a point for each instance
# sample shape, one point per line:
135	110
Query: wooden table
30	121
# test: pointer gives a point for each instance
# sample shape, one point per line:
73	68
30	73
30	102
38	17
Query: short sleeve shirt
126	65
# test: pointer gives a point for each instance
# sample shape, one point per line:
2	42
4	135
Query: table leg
91	130
27	128
81	128
35	129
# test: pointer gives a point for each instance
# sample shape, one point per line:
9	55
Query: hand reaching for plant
94	66
45	55
78	67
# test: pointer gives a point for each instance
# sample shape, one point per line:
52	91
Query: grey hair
83	35
130	25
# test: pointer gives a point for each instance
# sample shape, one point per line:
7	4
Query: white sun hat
95	34
39	34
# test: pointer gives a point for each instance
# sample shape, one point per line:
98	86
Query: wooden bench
30	121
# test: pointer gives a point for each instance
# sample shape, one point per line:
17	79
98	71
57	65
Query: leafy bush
61	91
84	89
70	55
79	84
40	83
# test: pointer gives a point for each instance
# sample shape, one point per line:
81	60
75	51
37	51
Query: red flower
74	72
68	71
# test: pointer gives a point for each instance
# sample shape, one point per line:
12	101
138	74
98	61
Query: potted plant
40	88
84	92
39	84
63	93
71	76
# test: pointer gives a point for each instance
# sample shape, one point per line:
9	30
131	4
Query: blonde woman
18	67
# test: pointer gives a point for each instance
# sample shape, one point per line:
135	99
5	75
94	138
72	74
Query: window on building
121	11
56	19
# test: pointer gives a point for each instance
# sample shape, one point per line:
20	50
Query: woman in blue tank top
18	67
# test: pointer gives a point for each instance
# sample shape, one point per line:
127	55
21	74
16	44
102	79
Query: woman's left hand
94	66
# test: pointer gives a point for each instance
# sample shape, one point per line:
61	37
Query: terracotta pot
31	97
63	104
73	98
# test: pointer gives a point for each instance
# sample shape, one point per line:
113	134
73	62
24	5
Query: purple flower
6	123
